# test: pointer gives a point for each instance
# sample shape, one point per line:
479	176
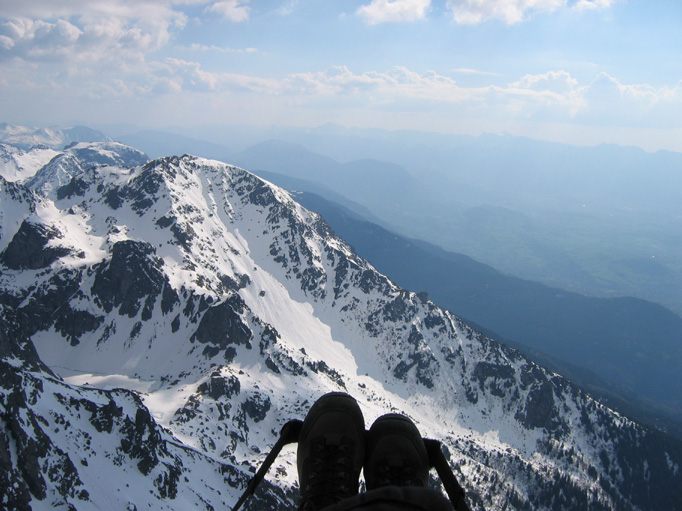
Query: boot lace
397	474
331	475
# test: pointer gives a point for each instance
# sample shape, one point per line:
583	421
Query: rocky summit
161	321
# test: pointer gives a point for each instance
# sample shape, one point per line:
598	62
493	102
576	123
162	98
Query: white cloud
583	5
605	101
382	11
509	11
232	10
191	77
338	80
51	9
392	86
471	12
77	32
560	82
611	101
37	40
605	88
286	8
6	43
469	71
554	95
219	49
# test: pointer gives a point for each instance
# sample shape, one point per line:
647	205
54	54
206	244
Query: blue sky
577	71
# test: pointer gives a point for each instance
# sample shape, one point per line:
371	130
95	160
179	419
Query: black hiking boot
331	449
395	454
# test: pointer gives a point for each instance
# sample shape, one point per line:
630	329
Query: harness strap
452	487
288	435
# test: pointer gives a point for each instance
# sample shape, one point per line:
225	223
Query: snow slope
19	165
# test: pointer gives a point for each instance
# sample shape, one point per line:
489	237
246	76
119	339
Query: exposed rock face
29	249
132	280
199	308
221	324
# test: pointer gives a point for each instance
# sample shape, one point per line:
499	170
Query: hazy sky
579	71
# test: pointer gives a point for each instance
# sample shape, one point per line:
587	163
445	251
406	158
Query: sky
583	72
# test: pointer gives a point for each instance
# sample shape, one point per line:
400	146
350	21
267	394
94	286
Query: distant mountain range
161	321
157	144
604	221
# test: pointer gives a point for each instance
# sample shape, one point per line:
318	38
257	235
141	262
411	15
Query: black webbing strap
288	435
447	478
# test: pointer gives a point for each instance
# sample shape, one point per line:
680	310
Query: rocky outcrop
30	249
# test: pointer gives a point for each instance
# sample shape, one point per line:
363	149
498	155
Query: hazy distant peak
27	137
275	144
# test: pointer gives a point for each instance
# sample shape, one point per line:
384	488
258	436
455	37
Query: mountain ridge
559	323
228	307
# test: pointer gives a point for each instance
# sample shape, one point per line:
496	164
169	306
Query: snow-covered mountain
162	322
44	170
56	138
19	165
79	157
69	447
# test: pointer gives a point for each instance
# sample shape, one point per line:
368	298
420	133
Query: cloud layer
127	58
471	12
232	10
115	31
382	11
